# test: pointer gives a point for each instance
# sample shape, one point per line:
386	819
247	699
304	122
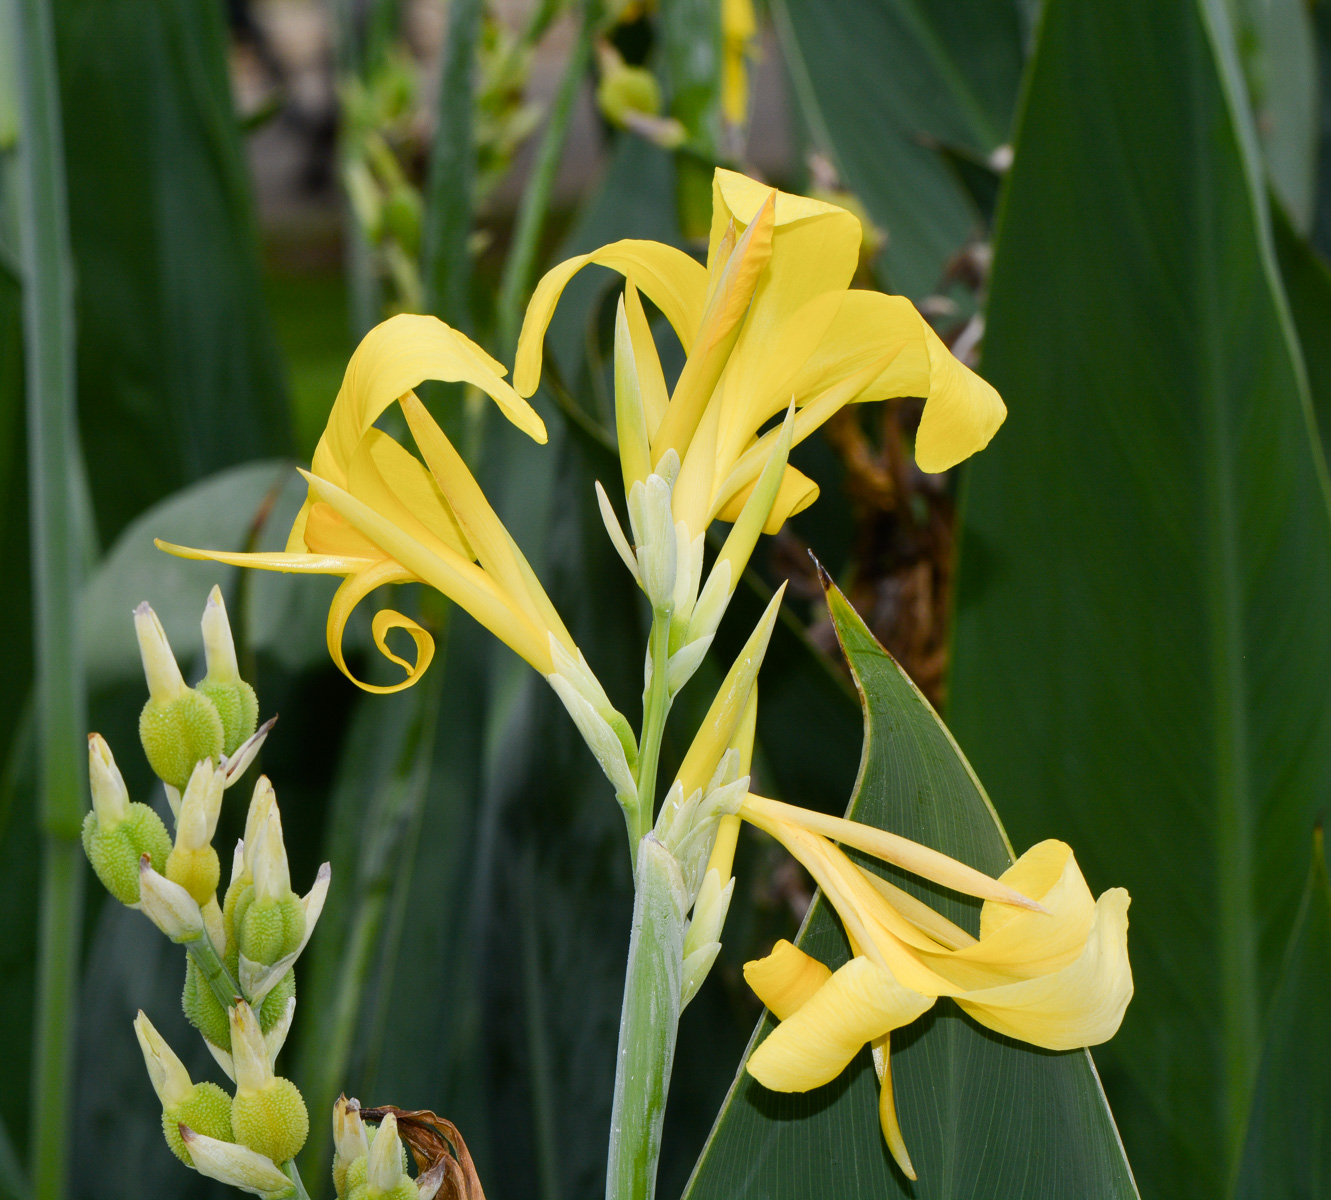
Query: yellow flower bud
193	862
117	833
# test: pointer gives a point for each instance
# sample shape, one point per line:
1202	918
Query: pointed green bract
983	1116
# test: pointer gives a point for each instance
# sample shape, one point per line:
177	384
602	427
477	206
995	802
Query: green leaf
177	367
982	1115
880	83
1145	562
1289	1131
1307	283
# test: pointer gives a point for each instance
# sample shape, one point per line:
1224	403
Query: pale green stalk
215	974
655	710
648	1024
536	196
292	1172
53	466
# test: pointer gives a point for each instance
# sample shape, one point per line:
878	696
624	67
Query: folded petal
796	493
353	590
860	1002
962	413
276	560
785	979
1080	1005
673	281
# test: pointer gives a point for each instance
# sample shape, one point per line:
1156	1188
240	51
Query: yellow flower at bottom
1050	966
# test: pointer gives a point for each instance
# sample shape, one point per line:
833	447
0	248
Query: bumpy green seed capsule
275	1003
178	733
114	852
206	1110
271	929
204	1011
272	1120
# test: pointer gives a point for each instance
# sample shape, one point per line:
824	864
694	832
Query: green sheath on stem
648	1024
53	468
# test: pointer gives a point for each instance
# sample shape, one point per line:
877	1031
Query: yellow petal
962	413
300	564
673	281
1016	944
887	1108
494	546
924	918
796	493
902	852
461	581
785	979
353	590
395	483
324	532
860	1002
732	288
1080	1005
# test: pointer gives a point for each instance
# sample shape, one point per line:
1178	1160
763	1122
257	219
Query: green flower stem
292	1172
536	196
655	710
648	1024
53	468
223	986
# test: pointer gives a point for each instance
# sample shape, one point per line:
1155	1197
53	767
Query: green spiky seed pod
405	1190
203	1009
178	733
270	929
197	871
239	896
353	1177
114	852
272	1121
275	1003
238	707
206	1110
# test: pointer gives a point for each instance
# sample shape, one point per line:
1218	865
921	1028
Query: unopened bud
193	862
179	726
349	1141
630	97
202	1106
118	833
654	532
259	978
236	1166
384	1173
168	905
233	698
268	1114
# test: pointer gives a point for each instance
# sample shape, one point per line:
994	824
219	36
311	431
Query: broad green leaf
982	1115
177	367
880	84
1141	641
1288	1152
1307	284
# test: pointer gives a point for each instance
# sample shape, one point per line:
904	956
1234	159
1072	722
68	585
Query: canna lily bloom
770	318
1050	966
739	28
375	514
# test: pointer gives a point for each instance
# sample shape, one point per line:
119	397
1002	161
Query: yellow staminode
376	514
1050	966
769	318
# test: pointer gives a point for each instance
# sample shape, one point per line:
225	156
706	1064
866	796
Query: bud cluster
240	988
370	1162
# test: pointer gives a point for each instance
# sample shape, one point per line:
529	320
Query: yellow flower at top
770	318
739	28
376	514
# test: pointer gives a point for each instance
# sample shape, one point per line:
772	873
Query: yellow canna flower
739	28
1050	966
770	318
376	514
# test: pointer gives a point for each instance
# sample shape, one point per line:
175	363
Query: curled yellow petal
962	414
354	589
785	979
1080	1005
275	560
860	1002
674	282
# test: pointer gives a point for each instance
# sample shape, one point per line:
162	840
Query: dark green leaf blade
1288	1153
982	1115
1141	640
881	83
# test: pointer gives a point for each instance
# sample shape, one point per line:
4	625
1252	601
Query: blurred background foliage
1121	606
